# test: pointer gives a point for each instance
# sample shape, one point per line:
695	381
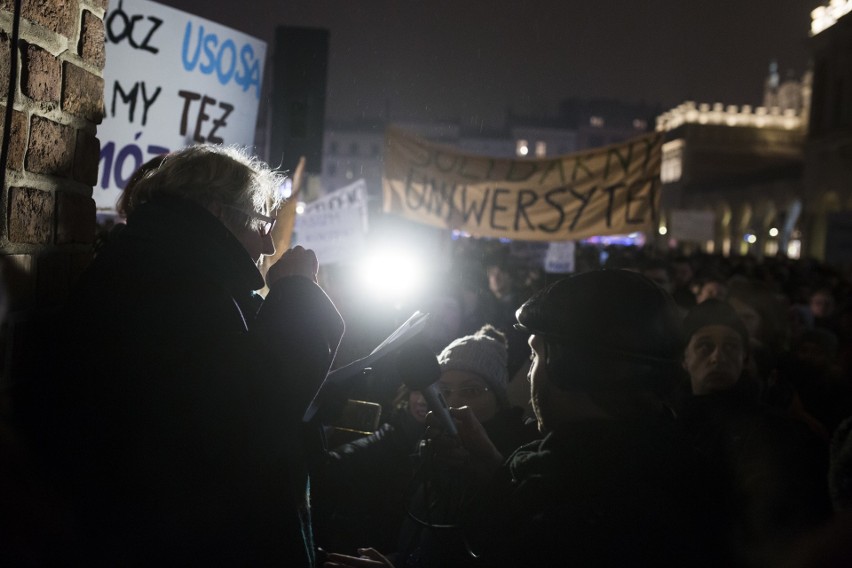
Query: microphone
420	371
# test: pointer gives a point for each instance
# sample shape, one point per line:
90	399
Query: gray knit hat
484	353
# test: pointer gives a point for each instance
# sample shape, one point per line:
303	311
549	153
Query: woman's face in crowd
463	388
417	406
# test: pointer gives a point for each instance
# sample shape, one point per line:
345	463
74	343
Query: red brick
75	218
86	154
18	142
82	93
30	216
51	148
40	75
92	40
55	15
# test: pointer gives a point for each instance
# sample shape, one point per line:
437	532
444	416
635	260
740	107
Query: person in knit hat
717	347
474	372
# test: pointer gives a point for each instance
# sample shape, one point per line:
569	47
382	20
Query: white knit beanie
484	353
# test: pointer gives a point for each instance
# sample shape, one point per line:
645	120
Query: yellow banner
606	191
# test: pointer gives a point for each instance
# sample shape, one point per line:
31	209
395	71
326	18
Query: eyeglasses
264	228
465	393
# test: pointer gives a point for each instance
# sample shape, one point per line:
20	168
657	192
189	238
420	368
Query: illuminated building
742	164
828	150
777	178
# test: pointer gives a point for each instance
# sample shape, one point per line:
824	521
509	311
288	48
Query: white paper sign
335	225
171	79
560	257
692	225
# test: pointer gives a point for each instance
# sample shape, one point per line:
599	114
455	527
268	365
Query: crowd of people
647	410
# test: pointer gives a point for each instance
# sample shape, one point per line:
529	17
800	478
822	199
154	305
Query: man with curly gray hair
173	416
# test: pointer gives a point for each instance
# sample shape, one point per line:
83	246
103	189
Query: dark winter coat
434	536
362	493
776	469
173	419
600	493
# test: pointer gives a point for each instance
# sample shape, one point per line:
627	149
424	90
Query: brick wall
47	228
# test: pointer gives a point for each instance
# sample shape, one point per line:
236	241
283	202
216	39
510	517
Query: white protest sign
692	225
335	225
560	257
171	79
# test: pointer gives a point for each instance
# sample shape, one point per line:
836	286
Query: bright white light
794	249
824	17
300	208
391	274
773	232
750	239
662	230
286	188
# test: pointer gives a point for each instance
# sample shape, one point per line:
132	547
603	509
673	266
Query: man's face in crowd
714	359
499	281
822	304
257	244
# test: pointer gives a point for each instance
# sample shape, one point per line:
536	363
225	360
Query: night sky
471	59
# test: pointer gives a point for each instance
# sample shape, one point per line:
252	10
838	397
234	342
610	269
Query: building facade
740	165
828	150
776	178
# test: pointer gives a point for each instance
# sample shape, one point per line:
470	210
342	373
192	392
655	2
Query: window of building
540	149
672	166
596	121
